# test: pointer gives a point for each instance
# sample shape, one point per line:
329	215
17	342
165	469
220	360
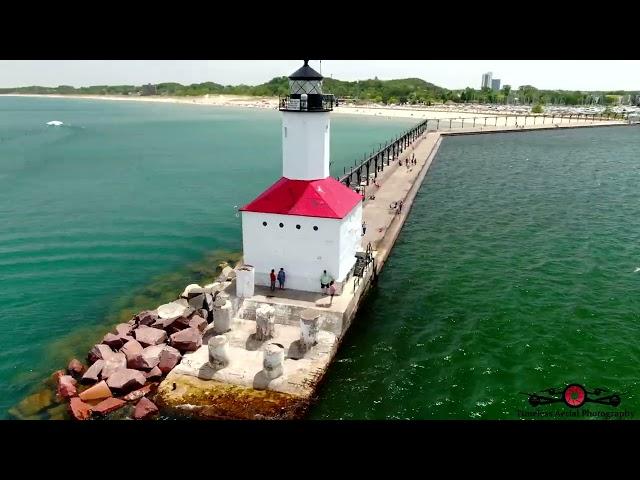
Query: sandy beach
515	114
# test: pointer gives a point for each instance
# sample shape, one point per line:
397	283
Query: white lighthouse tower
307	221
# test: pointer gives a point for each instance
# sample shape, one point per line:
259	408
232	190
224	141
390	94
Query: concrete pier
279	345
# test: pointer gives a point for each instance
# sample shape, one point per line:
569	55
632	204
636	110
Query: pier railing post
265	322
273	360
222	315
309	327
219	352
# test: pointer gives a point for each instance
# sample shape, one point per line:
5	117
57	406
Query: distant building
486	80
149	90
495	84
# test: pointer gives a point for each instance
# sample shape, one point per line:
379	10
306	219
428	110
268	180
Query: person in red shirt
272	276
332	291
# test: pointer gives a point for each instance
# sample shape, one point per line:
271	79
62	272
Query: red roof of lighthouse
327	198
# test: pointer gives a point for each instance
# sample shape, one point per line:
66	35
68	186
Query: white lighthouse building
307	221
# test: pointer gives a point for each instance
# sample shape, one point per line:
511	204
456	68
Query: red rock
149	358
99	391
146	318
75	368
99	352
79	409
136	394
169	358
187	340
126	379
144	409
154	373
67	386
114	341
55	376
198	323
132	349
116	362
124	329
150	336
107	406
93	372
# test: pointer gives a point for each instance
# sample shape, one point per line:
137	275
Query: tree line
403	91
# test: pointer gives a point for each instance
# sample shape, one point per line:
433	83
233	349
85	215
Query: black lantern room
305	92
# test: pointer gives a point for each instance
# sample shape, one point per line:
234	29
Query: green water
514	273
121	208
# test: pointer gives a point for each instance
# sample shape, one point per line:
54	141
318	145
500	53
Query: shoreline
271	103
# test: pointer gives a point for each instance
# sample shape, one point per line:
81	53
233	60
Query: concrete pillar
222	315
309	327
245	281
219	351
273	361
265	322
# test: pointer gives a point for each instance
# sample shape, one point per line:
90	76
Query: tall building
486	80
495	84
307	221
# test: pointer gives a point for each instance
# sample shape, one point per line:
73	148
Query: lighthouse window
298	227
264	224
315	228
281	225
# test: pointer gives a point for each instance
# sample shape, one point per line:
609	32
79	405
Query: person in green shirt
325	280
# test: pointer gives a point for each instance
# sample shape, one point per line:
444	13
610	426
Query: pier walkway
240	390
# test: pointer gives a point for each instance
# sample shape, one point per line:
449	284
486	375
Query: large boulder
137	394
126	379
92	374
197	302
198	323
150	336
169	358
153	374
146	318
148	358
79	410
204	313
144	409
172	324
191	291
131	350
55	377
115	362
108	405
75	368
208	302
187	340
124	329
172	309
99	352
67	386
99	391
114	341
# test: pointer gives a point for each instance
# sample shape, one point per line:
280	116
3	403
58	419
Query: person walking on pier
281	277
332	291
325	280
364	228
272	277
